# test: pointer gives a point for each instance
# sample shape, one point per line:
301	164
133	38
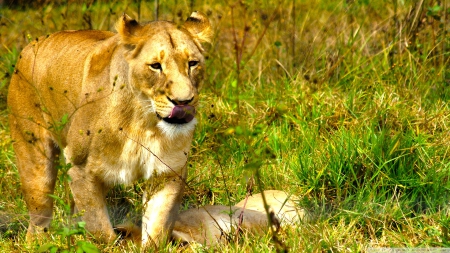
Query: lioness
210	225
120	106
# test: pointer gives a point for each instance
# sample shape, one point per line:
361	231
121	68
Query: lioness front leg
161	209
89	194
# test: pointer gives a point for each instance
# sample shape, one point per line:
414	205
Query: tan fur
95	96
210	225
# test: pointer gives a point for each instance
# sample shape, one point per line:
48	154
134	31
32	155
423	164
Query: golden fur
103	99
210	225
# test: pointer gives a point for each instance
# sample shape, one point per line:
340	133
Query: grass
343	103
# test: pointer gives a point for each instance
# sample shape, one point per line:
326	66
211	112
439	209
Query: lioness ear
127	28
198	25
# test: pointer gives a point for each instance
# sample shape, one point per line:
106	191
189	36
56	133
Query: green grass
343	104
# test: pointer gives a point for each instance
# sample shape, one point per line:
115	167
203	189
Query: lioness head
166	67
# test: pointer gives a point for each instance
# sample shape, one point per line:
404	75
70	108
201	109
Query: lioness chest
138	157
145	157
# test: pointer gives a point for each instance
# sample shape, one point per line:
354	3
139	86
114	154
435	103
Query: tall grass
343	103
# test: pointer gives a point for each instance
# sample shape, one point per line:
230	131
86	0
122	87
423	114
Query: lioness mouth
181	114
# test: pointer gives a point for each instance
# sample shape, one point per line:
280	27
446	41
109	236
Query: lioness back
53	69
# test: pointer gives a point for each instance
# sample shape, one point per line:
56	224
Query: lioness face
166	71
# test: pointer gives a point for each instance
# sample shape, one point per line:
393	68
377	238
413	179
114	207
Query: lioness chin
120	107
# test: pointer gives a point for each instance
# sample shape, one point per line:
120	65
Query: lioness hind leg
89	194
35	154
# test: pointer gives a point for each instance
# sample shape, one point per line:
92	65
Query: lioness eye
193	63
156	66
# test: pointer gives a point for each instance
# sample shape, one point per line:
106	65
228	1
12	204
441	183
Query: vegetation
343	103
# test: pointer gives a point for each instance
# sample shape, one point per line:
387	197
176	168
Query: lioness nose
180	102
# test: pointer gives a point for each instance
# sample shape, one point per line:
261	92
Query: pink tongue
185	112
